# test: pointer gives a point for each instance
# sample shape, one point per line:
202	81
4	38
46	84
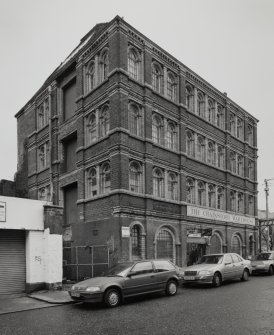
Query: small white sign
195	235
125	232
2	211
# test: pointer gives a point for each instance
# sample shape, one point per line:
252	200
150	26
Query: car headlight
93	289
204	273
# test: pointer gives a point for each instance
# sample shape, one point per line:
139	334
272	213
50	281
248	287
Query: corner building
146	158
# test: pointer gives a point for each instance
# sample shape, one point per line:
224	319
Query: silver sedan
216	268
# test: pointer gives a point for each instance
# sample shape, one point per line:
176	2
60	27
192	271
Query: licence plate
75	294
189	278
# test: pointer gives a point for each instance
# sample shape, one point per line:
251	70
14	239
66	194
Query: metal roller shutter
12	261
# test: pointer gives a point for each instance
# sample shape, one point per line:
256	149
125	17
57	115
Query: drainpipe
50	147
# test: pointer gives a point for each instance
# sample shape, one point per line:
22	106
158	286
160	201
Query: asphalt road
234	308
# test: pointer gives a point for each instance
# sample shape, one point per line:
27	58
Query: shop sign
218	215
2	211
195	235
125	232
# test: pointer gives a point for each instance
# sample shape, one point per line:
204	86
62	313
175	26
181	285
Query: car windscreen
263	256
119	269
211	259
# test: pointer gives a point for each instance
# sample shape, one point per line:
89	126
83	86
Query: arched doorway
165	244
216	245
236	244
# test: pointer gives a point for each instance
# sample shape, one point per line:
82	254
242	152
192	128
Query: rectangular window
70	155
69	97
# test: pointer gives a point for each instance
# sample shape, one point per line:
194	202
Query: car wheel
171	288
245	275
271	270
217	280
112	297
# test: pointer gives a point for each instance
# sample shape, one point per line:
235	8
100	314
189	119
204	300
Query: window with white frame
221	157
98	180
190	98
220	198
91	128
240	203
211	153
135	177
211	196
220	116
158	182
43	114
200	148
135	119
134	63
233	201
43	156
240	128
171	86
201	104
157	129
157	78
90	76
105	180
201	194
233	164
136	242
190	191
250	168
210	111
232	123
240	165
250	134
171	135
44	193
190	143
93	182
104	124
172	190
103	65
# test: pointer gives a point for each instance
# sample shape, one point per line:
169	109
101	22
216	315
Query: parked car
127	280
216	268
263	263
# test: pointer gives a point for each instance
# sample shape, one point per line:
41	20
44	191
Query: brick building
146	157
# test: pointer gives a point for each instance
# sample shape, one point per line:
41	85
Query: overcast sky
230	43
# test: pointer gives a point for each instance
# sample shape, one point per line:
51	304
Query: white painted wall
44	257
23	214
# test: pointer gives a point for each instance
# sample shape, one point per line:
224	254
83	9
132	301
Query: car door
228	267
163	271
238	266
141	279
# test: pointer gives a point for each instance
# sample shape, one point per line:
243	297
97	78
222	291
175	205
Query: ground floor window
216	244
236	245
136	242
165	246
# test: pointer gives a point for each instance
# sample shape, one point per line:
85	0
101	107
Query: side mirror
227	263
132	273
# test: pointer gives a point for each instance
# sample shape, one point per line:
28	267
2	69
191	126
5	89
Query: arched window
103	65
211	153
250	169
221	157
136	242
210	111
250	134
157	129
250	205
201	148
236	244
90	76
157	78
91	127
171	136
135	120
201	201
158	183
251	245
190	191
233	162
201	104
135	177
233	201
134	64
220	117
172	191
104	121
240	165
92	182
171	86
211	196
220	198
190	144
240	203
216	246
105	178
232	122
239	128
190	98
165	245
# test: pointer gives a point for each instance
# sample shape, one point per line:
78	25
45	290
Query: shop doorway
195	252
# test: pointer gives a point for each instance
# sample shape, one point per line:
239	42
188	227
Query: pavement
11	303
